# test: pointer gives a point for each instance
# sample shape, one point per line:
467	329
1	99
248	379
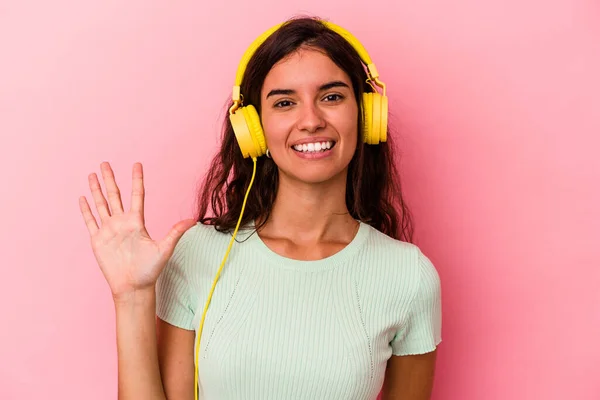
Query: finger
112	190
88	217
99	199
137	189
168	243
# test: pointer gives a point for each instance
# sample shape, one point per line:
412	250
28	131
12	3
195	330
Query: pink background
499	107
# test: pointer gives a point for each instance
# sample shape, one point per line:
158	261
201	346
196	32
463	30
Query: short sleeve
422	331
173	292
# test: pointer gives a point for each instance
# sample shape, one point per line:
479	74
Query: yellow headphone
251	138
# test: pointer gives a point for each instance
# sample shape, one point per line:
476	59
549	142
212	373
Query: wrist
135	297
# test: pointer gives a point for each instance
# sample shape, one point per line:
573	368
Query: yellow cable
215	282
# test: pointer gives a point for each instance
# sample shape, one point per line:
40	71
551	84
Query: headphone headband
362	52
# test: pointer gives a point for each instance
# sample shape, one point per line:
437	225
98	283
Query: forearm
138	373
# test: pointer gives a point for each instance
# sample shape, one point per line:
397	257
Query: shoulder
194	245
201	235
203	231
380	242
197	250
203	246
403	265
395	252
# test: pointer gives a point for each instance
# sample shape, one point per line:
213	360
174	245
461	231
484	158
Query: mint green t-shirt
279	328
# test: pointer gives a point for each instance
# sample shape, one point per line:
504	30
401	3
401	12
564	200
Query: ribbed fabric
279	328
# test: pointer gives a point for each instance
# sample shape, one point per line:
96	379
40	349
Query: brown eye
333	97
283	103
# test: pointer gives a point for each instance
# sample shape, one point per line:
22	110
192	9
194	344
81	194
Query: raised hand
129	259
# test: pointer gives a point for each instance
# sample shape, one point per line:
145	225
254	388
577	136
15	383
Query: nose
310	118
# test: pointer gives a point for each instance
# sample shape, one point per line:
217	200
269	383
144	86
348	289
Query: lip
319	139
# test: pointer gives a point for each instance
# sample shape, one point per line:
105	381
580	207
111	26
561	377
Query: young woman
321	294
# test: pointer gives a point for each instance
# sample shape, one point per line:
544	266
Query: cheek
347	127
275	129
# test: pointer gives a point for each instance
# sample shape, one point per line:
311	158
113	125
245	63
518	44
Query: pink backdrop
498	102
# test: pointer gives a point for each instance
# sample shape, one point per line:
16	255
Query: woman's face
309	116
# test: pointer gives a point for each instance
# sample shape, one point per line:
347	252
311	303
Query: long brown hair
373	187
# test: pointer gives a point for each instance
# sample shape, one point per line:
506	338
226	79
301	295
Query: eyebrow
326	86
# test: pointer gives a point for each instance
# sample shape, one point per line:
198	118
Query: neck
311	213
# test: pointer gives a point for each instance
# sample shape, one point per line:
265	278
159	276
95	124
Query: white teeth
313	147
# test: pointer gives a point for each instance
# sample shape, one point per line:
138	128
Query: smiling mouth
316	147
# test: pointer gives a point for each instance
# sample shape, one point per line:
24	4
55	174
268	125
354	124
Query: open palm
128	257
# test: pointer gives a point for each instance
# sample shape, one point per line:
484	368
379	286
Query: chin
317	176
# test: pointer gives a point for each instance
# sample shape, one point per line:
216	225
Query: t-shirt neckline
257	244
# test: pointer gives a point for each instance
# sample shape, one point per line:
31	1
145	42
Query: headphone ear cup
367	117
248	131
383	119
375	113
256	131
375	118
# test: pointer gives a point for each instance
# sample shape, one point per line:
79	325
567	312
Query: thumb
167	244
